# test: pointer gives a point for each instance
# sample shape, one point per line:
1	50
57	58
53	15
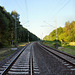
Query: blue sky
43	15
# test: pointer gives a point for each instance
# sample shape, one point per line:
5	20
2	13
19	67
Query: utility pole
56	34
14	16
56	31
28	36
42	36
15	33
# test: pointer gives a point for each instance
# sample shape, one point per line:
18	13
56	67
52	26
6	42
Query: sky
42	16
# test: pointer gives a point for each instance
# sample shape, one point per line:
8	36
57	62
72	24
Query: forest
7	29
67	33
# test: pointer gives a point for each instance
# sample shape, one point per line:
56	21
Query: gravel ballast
48	64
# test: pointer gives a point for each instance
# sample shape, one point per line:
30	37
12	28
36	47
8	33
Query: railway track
64	58
23	63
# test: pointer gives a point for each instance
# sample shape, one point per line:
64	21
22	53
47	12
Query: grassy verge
66	48
22	44
51	43
70	50
5	52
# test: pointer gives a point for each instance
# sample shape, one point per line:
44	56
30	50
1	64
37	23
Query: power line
26	9
62	7
25	22
22	11
26	5
19	6
27	16
48	24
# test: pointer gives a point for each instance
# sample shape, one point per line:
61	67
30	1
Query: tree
66	33
7	29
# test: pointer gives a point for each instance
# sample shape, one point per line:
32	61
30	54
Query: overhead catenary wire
27	13
19	6
25	22
65	4
62	7
26	9
26	5
22	11
48	23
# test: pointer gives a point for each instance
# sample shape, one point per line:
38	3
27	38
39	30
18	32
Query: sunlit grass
22	44
72	43
68	47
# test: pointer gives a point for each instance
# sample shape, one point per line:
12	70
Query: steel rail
60	51
48	49
31	63
13	61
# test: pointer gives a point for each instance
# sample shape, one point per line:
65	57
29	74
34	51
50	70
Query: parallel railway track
66	59
24	63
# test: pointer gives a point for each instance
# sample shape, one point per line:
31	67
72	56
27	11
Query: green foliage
7	29
65	44
66	33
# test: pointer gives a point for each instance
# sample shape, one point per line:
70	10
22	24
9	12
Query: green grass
48	43
70	50
22	44
5	52
51	43
66	48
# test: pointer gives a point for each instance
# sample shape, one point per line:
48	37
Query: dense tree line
66	33
7	29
